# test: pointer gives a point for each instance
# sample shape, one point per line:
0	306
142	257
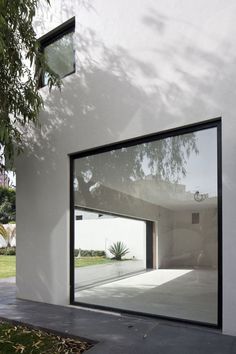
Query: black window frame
190	128
51	37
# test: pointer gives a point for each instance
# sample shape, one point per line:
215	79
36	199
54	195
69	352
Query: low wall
91	275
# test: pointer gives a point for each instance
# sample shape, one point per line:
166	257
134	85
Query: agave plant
118	250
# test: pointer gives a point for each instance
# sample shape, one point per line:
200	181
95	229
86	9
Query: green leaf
20	99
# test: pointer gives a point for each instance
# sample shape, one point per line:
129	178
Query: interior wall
117	202
196	244
100	234
182	244
164	236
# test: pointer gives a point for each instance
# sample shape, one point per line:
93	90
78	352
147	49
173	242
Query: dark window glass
58	48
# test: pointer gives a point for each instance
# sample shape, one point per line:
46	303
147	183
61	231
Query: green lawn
87	261
7	266
22	339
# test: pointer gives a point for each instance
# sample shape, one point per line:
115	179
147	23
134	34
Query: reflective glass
171	184
60	56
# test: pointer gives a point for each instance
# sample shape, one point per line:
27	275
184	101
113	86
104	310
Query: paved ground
116	334
9	280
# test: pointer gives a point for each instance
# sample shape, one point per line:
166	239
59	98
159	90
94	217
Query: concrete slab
116	334
180	293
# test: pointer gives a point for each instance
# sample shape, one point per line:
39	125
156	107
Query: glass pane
159	199
60	56
106	248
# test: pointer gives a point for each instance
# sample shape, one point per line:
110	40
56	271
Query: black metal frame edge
220	216
57	32
185	129
112	214
144	314
149	244
72	265
203	125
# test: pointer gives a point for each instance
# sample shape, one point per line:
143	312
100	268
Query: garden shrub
8	251
7	205
89	253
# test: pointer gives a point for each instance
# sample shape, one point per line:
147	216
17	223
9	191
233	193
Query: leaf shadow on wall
104	102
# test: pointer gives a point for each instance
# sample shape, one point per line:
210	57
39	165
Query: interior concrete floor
189	294
95	274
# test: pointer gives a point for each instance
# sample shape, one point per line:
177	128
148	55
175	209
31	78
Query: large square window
146	225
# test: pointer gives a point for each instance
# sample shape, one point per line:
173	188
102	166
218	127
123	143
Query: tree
7	205
161	160
21	65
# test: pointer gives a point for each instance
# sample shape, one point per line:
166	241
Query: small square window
58	49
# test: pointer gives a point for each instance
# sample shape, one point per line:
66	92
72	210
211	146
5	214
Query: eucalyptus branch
21	66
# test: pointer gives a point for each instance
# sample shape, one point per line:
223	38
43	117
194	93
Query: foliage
8	251
22	339
7	267
118	250
6	213
7	205
92	253
21	65
124	169
89	261
10	193
89	253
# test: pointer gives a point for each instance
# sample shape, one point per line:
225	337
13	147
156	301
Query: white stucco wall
100	234
142	67
179	242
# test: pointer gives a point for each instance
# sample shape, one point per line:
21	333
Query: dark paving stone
116	334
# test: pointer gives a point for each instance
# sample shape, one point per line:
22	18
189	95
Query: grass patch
7	266
88	261
22	339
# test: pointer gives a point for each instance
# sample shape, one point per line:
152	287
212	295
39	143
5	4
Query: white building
163	72
4	179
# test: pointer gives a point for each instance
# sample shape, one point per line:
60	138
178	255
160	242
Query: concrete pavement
115	333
